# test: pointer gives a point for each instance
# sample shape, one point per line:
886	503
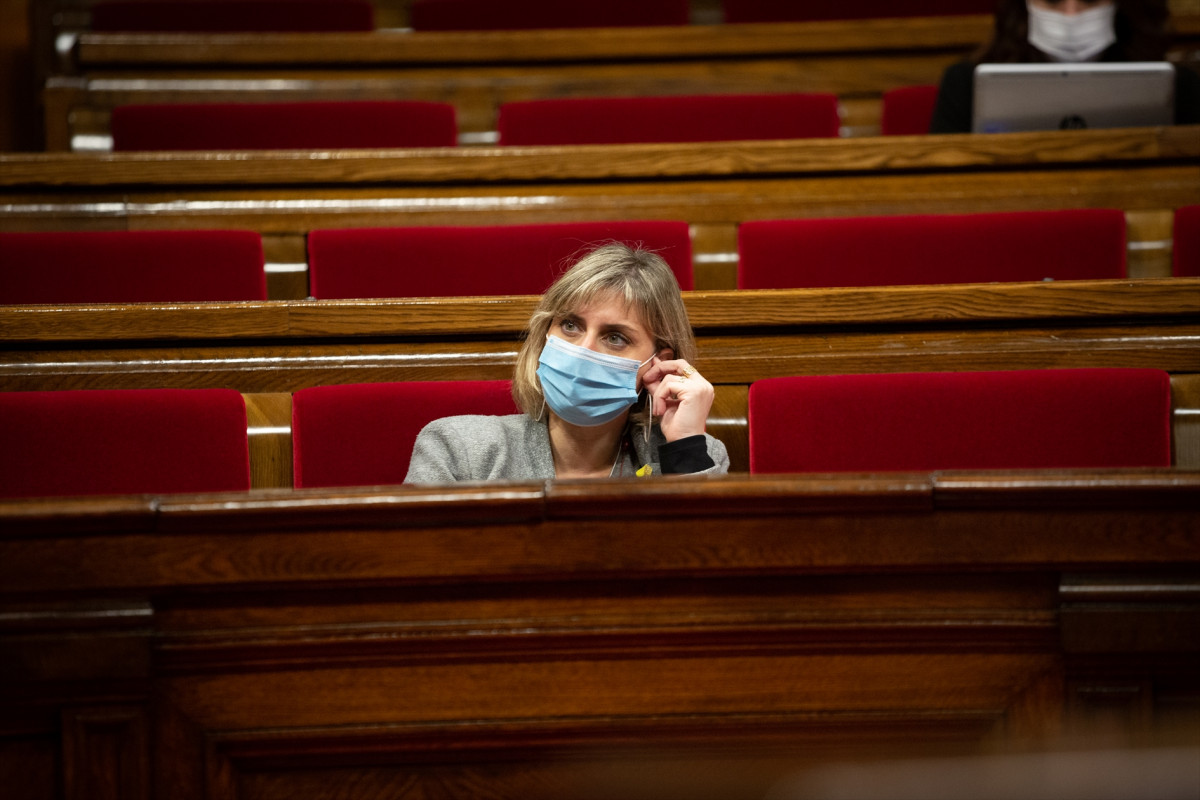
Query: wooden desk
588	638
268	350
1146	172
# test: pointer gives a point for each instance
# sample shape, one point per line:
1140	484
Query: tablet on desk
1043	97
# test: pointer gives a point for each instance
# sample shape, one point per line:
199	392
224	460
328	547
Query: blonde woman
605	381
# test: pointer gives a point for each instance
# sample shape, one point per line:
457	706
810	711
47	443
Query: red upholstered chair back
1187	242
139	441
908	110
479	15
131	267
688	118
363	434
447	261
284	126
932	249
233	15
1027	419
805	10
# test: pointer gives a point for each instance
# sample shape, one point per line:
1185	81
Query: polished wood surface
668	638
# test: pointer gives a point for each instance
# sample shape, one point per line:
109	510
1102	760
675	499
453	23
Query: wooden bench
268	350
674	638
1146	172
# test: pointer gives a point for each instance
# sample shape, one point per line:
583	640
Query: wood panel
522	640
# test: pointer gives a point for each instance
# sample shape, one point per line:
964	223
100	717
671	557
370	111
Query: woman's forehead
611	307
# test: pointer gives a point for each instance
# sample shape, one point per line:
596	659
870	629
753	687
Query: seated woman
1031	31
610	327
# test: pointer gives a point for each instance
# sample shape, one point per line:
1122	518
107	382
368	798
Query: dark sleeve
1187	96
689	454
955	100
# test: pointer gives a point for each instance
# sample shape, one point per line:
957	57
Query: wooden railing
590	638
1146	172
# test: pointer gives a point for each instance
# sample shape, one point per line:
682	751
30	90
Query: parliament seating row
170	440
445	261
569	121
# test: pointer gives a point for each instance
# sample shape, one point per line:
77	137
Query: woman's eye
568	326
616	340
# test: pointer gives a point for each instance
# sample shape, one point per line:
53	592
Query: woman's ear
666	353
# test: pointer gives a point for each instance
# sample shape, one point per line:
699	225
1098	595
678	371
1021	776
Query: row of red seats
447	15
195	440
564	121
448	261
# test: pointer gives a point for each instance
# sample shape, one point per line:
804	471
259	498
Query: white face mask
1072	37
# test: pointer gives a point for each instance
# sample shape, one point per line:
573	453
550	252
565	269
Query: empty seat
1186	245
476	15
284	126
932	249
1054	418
131	267
908	110
210	16
363	434
139	441
811	10
448	261
688	118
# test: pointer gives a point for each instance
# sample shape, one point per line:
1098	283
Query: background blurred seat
1186	238
131	267
233	15
363	434
908	110
932	249
1055	418
805	10
449	261
689	118
474	15
284	126
138	441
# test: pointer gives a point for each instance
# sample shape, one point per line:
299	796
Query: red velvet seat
932	249
809	10
477	15
212	16
449	261
363	434
284	126
1186	247
139	441
908	110
1054	418
131	267
687	118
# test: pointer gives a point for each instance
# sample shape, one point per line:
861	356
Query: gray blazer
514	448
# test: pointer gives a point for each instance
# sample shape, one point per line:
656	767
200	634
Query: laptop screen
1041	97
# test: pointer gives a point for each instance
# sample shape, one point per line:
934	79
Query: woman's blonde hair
639	276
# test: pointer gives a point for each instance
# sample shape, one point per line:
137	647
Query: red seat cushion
686	118
448	261
908	110
932	249
363	434
284	126
131	267
233	15
1187	242
478	15
808	10
140	441
1056	418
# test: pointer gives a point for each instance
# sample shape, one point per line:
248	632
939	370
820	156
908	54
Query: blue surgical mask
584	387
